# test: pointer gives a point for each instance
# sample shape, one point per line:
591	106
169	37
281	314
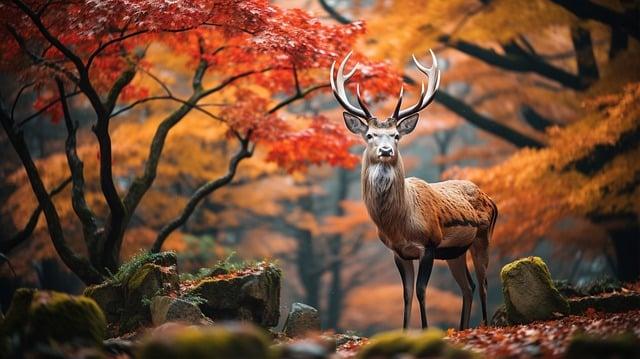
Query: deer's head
382	137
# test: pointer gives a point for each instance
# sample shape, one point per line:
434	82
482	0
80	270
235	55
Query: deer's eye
369	136
397	136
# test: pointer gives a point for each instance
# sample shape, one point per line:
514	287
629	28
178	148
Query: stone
499	318
110	297
46	316
233	340
429	343
252	294
529	293
167	309
302	319
305	349
148	281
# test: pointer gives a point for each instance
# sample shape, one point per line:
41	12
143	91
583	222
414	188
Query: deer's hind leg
480	256
460	272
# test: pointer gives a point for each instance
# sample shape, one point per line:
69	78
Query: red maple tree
92	53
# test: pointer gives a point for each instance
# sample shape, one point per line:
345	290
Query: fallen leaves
548	339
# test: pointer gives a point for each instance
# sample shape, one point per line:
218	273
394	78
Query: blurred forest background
208	128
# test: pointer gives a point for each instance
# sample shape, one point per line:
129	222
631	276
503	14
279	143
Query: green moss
40	316
536	296
387	345
14	322
617	346
426	344
63	317
429	343
131	267
237	342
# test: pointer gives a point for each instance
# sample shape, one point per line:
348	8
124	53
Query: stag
417	220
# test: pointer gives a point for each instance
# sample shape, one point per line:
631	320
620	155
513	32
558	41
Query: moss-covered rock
425	344
44	316
251	294
499	318
110	297
618	346
145	283
231	341
167	309
301	320
529	293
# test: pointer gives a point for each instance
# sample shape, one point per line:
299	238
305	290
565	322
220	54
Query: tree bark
80	266
336	291
624	233
482	122
585	58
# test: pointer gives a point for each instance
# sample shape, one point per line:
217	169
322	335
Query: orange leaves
322	142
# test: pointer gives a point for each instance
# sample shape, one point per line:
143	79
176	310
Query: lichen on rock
251	294
529	293
425	344
45	316
230	341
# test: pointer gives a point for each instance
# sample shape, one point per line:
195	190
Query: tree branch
333	13
468	113
299	95
80	266
517	60
243	152
590	10
8	245
78	200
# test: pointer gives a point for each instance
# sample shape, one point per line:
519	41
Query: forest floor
540	339
546	339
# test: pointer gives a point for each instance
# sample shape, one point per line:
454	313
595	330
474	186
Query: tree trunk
624	233
626	245
307	260
336	291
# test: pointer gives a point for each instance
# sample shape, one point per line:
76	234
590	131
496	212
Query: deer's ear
355	124
406	125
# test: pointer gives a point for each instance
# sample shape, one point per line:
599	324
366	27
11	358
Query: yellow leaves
503	20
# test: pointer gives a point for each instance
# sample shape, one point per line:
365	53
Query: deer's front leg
424	272
405	267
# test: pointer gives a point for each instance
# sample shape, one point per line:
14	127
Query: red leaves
547	339
322	142
53	107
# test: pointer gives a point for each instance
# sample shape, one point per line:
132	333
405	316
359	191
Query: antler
433	73
337	85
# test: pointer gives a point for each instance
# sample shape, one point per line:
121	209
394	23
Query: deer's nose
385	151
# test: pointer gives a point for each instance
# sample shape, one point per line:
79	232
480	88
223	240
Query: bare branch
202	192
6	246
297	96
78	201
77	264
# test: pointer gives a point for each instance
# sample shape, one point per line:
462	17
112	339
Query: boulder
301	320
167	309
499	318
529	293
305	349
148	281
230	341
109	297
45	316
251	294
425	344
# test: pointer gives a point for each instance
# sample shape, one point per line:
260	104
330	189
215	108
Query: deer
416	220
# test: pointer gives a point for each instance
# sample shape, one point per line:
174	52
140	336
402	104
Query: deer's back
454	202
